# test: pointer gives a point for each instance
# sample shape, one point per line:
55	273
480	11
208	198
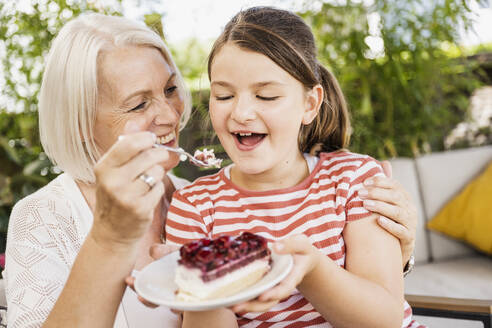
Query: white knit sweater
46	231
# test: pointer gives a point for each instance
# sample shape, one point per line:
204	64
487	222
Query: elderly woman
110	91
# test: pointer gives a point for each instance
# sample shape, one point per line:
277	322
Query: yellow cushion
468	216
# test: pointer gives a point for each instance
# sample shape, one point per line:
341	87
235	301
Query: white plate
156	284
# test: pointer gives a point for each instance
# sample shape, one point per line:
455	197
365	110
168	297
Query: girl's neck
284	175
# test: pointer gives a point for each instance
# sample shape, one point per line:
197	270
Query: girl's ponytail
331	129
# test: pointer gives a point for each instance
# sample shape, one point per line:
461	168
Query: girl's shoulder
342	161
345	155
202	184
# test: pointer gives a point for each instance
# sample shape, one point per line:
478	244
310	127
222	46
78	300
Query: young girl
283	121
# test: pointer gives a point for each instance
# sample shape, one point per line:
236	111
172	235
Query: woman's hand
156	252
387	197
306	257
125	202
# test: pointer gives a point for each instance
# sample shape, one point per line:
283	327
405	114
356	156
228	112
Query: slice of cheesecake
221	267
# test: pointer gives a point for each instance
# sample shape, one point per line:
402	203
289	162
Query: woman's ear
314	99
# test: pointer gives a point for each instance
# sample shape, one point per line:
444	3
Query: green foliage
191	58
24	167
26	37
407	97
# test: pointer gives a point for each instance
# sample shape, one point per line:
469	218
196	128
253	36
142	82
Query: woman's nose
243	110
164	112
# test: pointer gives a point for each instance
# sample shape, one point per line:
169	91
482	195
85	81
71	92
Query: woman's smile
167	139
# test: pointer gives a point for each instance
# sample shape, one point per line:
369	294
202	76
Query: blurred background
417	74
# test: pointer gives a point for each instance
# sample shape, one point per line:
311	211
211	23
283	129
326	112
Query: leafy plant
410	89
25	168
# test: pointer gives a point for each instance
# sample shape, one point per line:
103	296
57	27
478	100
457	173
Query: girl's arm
387	197
368	293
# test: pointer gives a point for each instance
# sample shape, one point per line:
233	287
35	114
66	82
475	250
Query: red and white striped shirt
318	207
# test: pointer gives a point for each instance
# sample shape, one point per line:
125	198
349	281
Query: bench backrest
432	181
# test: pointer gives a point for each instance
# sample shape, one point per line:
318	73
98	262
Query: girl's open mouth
248	141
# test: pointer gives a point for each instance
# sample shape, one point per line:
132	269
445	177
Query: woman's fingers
381	182
392	196
154	174
157	251
387	169
387	197
147	303
396	213
178	312
152	198
127	146
130	282
143	161
405	235
396	229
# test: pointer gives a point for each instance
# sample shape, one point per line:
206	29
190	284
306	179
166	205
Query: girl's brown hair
288	41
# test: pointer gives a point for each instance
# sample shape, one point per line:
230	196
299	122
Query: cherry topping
207	254
222	243
204	242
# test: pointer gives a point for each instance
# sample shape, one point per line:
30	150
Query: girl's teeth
245	134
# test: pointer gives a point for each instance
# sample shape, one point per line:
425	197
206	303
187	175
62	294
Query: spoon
192	158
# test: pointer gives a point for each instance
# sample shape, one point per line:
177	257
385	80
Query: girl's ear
314	99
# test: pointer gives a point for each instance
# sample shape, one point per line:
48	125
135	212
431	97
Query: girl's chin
250	169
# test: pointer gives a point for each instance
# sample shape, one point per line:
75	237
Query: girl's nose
243	110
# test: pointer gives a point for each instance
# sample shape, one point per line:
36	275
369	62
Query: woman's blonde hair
69	91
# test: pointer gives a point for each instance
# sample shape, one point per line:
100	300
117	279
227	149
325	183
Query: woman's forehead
125	69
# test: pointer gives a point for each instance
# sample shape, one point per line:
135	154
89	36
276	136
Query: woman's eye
223	97
170	90
140	106
267	98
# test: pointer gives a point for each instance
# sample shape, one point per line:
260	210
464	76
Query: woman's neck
88	190
284	175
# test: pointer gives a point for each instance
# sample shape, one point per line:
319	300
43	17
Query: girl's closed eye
267	98
223	97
